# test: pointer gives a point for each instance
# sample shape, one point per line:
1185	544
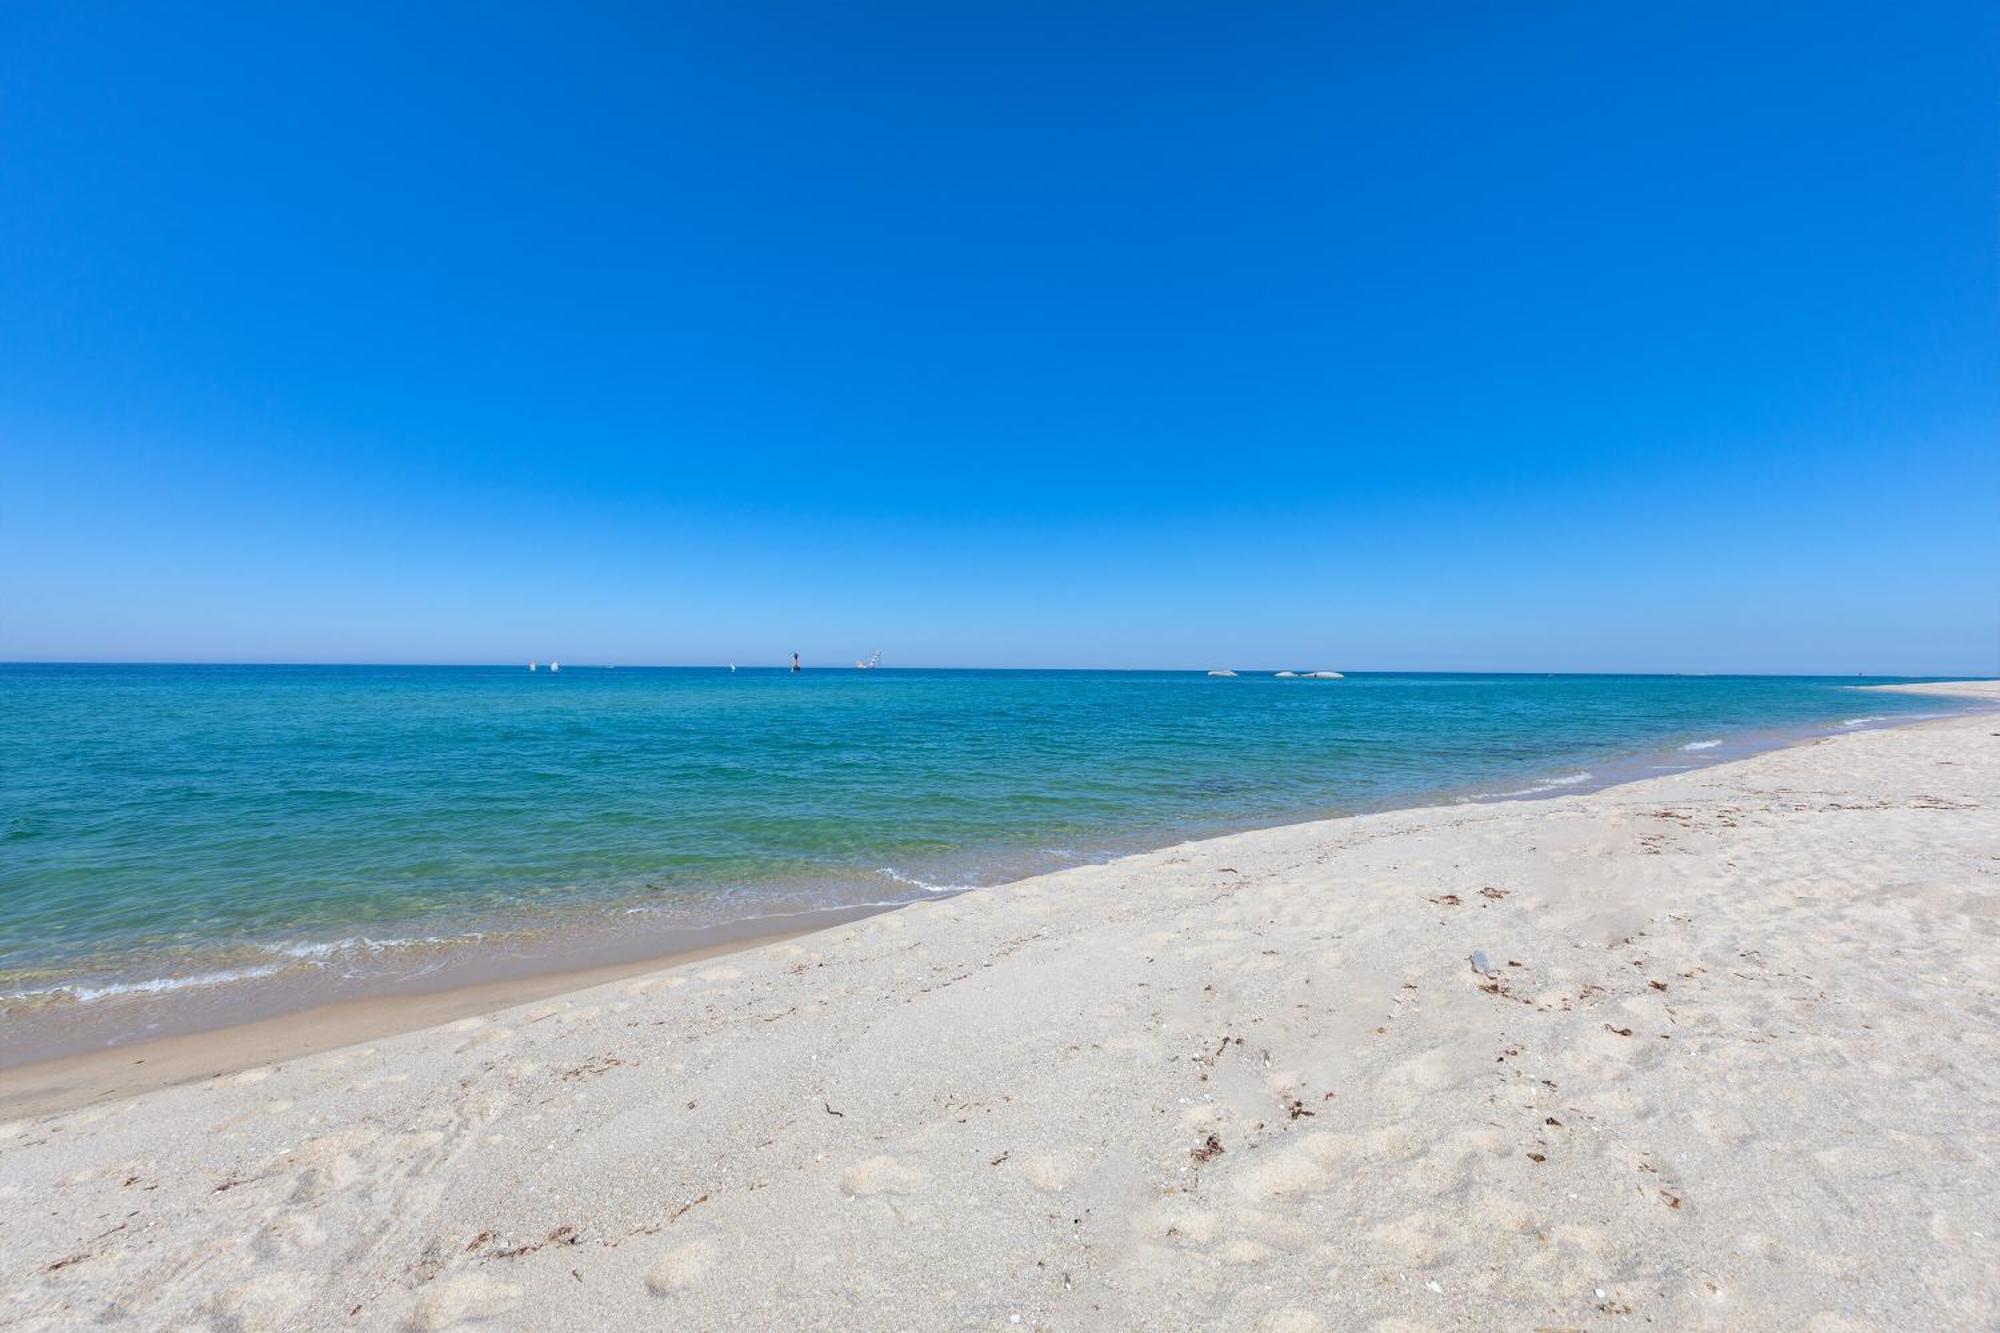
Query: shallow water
176	829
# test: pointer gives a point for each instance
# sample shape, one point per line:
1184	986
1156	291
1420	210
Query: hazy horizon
784	664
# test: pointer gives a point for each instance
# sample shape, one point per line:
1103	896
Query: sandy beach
1716	1049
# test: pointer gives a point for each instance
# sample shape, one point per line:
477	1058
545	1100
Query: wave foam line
1552	784
84	994
314	951
925	885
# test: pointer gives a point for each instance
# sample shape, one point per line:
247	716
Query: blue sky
1389	336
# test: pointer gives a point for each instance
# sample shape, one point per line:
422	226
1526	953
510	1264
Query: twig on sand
562	1235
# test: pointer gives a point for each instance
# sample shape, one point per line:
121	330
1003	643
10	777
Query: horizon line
785	667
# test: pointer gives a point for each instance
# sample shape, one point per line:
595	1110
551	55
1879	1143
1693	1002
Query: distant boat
1222	673
555	666
1286	675
531	666
871	663
732	666
1324	675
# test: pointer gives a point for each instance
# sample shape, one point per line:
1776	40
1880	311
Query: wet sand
43	1086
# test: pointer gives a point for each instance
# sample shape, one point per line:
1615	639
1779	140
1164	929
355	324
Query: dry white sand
1737	1064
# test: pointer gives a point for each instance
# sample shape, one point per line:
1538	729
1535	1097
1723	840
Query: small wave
923	884
83	994
1550	784
1701	745
316	951
1862	721
319	950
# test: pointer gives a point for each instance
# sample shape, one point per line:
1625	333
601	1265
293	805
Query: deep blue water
165	823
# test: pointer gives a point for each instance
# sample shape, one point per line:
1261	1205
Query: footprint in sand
1505	1213
1429	1072
681	1268
1724	1128
881	1175
1330	1147
292	1232
1394	1143
1416	1241
1243	1250
1200	1118
1282	1176
489	1037
1050	1171
1440	1172
1400	1324
1275	1231
272	1301
1181	1223
327	1064
461	1299
1593	1241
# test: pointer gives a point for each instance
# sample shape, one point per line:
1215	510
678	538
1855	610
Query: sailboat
555	666
871	663
531	666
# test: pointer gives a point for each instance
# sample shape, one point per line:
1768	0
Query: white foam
925	885
316	949
1550	784
1701	745
83	994
1862	721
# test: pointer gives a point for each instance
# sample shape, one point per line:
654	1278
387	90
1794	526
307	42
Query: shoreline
68	1079
1712	1049
81	1078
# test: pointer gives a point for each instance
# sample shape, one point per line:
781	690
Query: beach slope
1717	1049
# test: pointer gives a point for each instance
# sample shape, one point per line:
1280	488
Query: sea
185	845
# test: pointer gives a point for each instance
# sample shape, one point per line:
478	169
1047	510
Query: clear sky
1593	336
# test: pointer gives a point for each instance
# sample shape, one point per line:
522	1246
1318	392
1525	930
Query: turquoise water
163	827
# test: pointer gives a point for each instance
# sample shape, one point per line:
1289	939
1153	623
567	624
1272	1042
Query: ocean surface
178	835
